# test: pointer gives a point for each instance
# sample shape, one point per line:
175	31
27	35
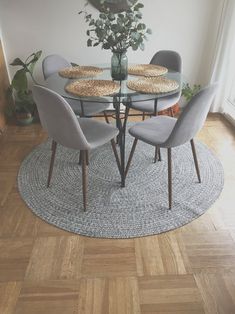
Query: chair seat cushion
90	108
97	133
154	131
162	104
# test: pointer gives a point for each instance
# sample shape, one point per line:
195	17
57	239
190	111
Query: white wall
188	26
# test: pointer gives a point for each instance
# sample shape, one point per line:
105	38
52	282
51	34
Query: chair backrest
58	119
192	118
169	59
52	64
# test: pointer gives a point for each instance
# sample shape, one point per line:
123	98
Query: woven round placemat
147	70
80	71
88	88
153	85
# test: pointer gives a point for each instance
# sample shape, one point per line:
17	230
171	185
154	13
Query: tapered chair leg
157	154
106	117
84	178
87	158
80	159
131	155
157	149
143	116
171	112
169	177
53	148
116	154
195	160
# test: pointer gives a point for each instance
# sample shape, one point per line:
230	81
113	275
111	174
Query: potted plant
117	32
23	106
188	92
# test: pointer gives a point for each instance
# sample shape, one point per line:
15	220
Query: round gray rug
139	209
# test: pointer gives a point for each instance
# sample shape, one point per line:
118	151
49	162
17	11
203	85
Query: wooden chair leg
84	178
195	160
156	154
131	155
143	116
157	150
106	117
159	154
80	159
87	157
53	148
116	154
169	177
171	112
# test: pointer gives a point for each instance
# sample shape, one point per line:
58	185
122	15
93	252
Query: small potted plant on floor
188	92
23	106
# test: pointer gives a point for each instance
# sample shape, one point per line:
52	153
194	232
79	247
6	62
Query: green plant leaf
111	17
103	16
142	46
89	42
19	81
17	61
74	64
138	6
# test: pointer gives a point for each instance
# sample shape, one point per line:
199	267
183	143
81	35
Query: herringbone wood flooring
46	270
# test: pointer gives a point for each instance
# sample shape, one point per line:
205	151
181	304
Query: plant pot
119	65
175	110
24	118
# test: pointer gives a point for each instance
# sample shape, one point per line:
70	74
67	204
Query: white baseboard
229	118
229	113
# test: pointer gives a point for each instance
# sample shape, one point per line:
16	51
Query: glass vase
119	65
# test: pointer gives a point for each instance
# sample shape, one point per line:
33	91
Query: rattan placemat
147	70
91	88
80	71
153	85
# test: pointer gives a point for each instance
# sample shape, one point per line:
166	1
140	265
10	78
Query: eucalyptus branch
118	31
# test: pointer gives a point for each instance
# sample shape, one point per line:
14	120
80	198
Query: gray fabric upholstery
163	131
62	125
193	117
90	108
97	133
171	60
154	131
163	103
52	64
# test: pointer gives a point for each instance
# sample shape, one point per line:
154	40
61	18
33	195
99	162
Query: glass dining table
124	96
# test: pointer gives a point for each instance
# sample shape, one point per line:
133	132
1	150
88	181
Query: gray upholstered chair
168	132
52	64
171	60
62	125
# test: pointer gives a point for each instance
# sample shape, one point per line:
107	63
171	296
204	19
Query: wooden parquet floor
44	270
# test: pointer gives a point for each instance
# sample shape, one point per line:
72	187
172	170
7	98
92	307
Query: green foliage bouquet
117	31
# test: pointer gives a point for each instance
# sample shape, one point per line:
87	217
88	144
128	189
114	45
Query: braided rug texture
139	209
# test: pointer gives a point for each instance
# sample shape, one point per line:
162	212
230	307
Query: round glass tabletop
57	83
